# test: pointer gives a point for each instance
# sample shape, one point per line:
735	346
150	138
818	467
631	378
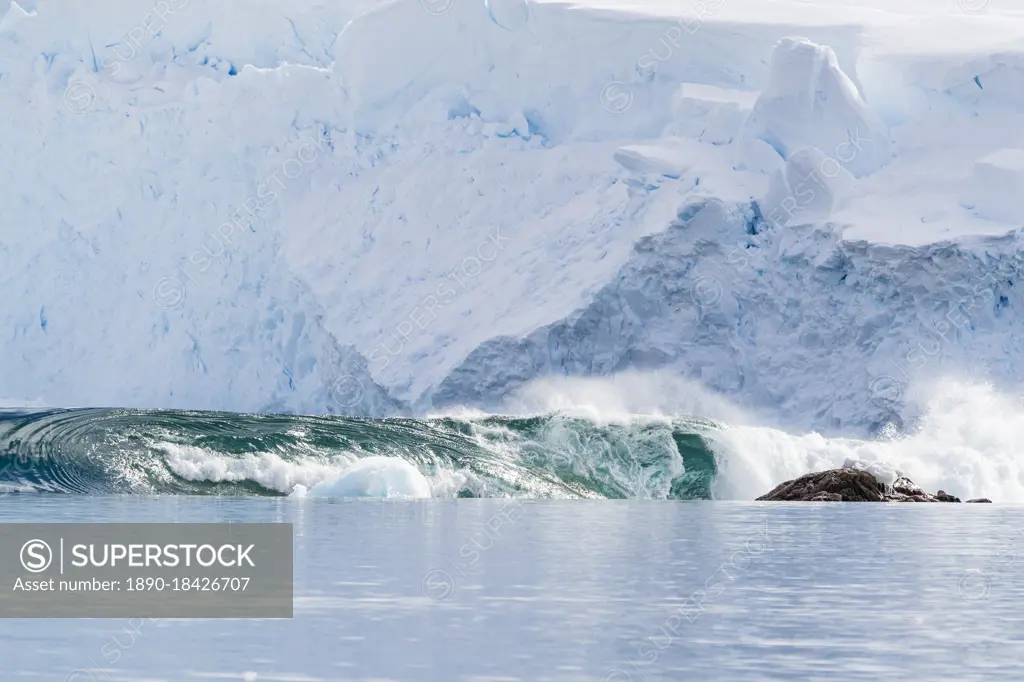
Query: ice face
386	208
810	101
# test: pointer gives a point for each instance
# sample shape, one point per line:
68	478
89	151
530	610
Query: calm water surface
612	591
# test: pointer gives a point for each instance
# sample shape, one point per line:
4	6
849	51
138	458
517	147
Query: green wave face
204	453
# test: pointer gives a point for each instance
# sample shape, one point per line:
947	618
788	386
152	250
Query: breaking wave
199	453
585	446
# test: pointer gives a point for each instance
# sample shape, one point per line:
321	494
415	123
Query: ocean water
553	547
98	451
638	442
588	440
559	590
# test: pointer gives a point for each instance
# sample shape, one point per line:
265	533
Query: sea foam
387	477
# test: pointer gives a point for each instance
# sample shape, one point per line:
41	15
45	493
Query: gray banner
154	570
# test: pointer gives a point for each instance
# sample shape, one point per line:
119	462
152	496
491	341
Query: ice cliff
386	207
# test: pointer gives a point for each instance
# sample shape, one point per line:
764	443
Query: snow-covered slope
379	207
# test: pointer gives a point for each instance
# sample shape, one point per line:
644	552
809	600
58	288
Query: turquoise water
556	590
201	453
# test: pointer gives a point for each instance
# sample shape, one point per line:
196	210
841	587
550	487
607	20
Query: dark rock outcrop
834	485
980	499
852	485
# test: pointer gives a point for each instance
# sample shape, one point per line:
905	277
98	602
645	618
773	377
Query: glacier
379	208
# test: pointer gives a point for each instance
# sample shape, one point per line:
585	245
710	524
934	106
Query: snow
807	189
809	101
385	207
665	158
20	403
708	113
996	185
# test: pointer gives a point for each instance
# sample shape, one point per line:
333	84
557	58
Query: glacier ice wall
371	208
792	320
145	166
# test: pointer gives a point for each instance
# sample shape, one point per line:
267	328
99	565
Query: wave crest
965	442
131	451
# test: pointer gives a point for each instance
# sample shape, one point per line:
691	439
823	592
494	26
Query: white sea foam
268	469
623	398
967	443
387	477
342	477
882	472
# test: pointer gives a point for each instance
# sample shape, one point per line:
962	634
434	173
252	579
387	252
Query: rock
900	497
853	485
826	497
980	499
834	485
